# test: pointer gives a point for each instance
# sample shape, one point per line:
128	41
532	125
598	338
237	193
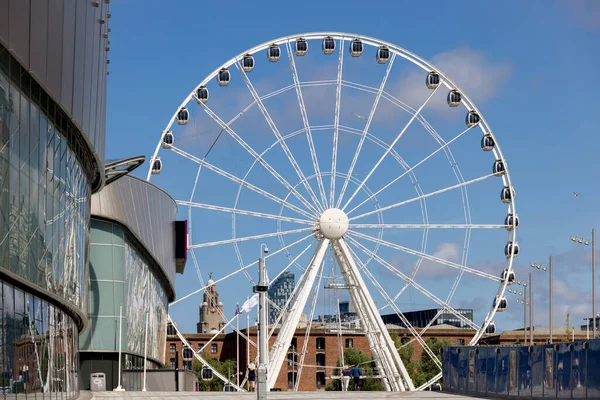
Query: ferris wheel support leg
292	317
389	359
381	361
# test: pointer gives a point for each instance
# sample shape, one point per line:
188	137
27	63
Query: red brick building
322	351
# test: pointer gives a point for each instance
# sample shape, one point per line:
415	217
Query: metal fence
562	370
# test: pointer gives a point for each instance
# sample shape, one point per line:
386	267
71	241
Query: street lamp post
581	240
525	304
531	310
524	301
549	269
261	289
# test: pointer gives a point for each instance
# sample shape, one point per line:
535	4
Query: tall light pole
524	301
581	240
531	310
540	267
261	289
525	304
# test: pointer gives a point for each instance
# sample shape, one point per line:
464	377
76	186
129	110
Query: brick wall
226	350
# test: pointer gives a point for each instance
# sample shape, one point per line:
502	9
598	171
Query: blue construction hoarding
562	370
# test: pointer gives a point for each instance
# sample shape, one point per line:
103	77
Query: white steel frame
386	358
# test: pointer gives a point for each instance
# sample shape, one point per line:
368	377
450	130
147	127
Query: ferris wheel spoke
413	283
427	256
408	171
336	122
427	226
392	304
258	158
311	145
367	126
391	146
243	212
418	198
277	134
244	239
244	268
311	315
204	163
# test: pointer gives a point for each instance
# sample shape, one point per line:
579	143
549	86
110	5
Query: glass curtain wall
44	193
38	347
44	221
120	275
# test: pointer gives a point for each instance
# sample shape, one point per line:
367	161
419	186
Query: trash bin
98	382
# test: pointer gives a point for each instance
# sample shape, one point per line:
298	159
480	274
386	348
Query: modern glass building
279	292
422	317
133	266
53	59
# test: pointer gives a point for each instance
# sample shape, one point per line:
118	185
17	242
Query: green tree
568	331
413	367
429	368
353	357
226	368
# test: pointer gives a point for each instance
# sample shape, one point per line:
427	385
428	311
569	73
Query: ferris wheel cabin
356	47
383	54
507	194
167	141
511	221
501	302
328	45
511	249
183	116
223	77
202	95
487	142
248	63
301	47
273	53
498	168
454	98
472	119
433	80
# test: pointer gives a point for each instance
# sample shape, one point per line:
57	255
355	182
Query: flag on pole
250	303
237	309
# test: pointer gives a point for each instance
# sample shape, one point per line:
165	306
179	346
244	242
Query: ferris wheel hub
333	223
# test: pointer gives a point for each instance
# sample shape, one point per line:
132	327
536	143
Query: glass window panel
103	334
118	263
104	304
101	262
101	232
119	298
119	235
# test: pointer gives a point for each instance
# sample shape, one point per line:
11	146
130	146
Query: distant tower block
211	310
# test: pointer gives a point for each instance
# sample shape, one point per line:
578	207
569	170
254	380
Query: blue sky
529	67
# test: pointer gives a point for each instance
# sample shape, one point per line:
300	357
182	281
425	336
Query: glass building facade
120	275
422	317
133	265
52	134
279	292
44	196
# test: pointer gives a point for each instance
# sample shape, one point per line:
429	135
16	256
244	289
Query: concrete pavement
272	395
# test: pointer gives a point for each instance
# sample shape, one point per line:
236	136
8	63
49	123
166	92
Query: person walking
345	378
356	376
251	377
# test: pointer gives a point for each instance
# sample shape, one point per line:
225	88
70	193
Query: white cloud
585	13
476	76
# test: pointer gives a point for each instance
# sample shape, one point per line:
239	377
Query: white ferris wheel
323	147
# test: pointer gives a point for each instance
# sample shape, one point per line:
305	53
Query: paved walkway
271	395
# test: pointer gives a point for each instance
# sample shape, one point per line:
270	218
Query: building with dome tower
211	310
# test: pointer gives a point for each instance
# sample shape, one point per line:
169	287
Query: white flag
250	303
